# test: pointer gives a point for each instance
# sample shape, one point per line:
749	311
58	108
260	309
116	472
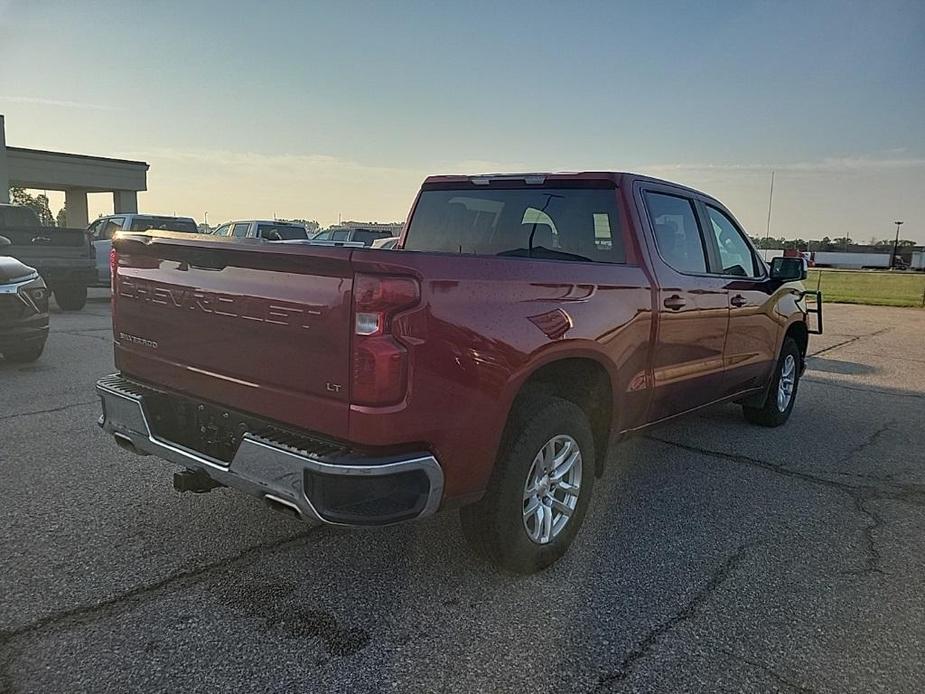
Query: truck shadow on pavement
835	366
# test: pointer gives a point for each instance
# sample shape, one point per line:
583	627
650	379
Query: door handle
738	301
675	303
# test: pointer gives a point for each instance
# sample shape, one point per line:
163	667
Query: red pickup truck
524	325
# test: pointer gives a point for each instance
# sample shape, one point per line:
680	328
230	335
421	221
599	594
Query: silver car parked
102	229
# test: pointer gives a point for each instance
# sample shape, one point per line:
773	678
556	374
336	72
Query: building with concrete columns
75	174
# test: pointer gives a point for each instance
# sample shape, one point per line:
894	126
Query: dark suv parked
23	311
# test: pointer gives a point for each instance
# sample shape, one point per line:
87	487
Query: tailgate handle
40	240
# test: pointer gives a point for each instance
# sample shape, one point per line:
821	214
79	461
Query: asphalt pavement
717	556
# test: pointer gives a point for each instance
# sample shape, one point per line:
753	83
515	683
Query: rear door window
735	254
240	230
223	230
580	224
677	234
366	237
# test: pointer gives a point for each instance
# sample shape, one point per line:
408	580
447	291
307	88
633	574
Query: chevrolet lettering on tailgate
244	307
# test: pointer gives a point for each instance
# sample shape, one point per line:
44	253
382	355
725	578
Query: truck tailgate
46	244
263	328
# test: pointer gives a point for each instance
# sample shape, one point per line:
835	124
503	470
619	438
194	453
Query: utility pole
895	244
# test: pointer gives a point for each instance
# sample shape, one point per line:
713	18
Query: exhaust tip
283	506
125	443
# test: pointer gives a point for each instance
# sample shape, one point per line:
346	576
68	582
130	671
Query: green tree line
826	244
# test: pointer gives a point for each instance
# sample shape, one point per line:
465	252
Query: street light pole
895	244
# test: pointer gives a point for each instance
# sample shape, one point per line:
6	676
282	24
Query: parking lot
716	555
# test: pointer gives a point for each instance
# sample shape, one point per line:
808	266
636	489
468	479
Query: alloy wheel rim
788	374
552	488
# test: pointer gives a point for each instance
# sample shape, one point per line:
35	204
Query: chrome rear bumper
273	470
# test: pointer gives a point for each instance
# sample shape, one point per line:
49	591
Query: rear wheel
783	391
71	297
540	489
25	354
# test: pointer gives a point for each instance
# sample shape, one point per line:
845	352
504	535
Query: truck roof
146	215
616	177
277	222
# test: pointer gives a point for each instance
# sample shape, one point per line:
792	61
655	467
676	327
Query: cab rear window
163	223
281	232
580	224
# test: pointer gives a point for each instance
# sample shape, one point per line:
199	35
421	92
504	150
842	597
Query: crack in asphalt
107	329
910	493
755	462
871	440
86	614
848	342
780	679
689	610
50	409
860	495
83	333
872	561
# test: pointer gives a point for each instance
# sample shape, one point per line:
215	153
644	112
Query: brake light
380	362
113	267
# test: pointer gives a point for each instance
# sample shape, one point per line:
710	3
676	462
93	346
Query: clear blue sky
247	110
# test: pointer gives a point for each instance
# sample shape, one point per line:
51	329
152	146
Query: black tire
28	354
770	414
71	297
495	525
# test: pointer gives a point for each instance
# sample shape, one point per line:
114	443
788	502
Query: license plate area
216	431
202	427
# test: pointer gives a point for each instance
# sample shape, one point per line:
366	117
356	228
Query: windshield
281	232
164	223
552	223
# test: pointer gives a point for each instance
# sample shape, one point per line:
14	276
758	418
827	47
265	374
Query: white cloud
59	103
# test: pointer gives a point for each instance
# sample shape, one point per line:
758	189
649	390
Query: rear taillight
113	267
380	362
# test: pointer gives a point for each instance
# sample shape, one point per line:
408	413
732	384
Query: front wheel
71	297
540	489
783	390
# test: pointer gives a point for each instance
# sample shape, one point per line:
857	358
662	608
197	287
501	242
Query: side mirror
788	269
4	241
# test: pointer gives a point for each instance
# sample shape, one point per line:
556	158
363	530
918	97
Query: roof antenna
767	232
